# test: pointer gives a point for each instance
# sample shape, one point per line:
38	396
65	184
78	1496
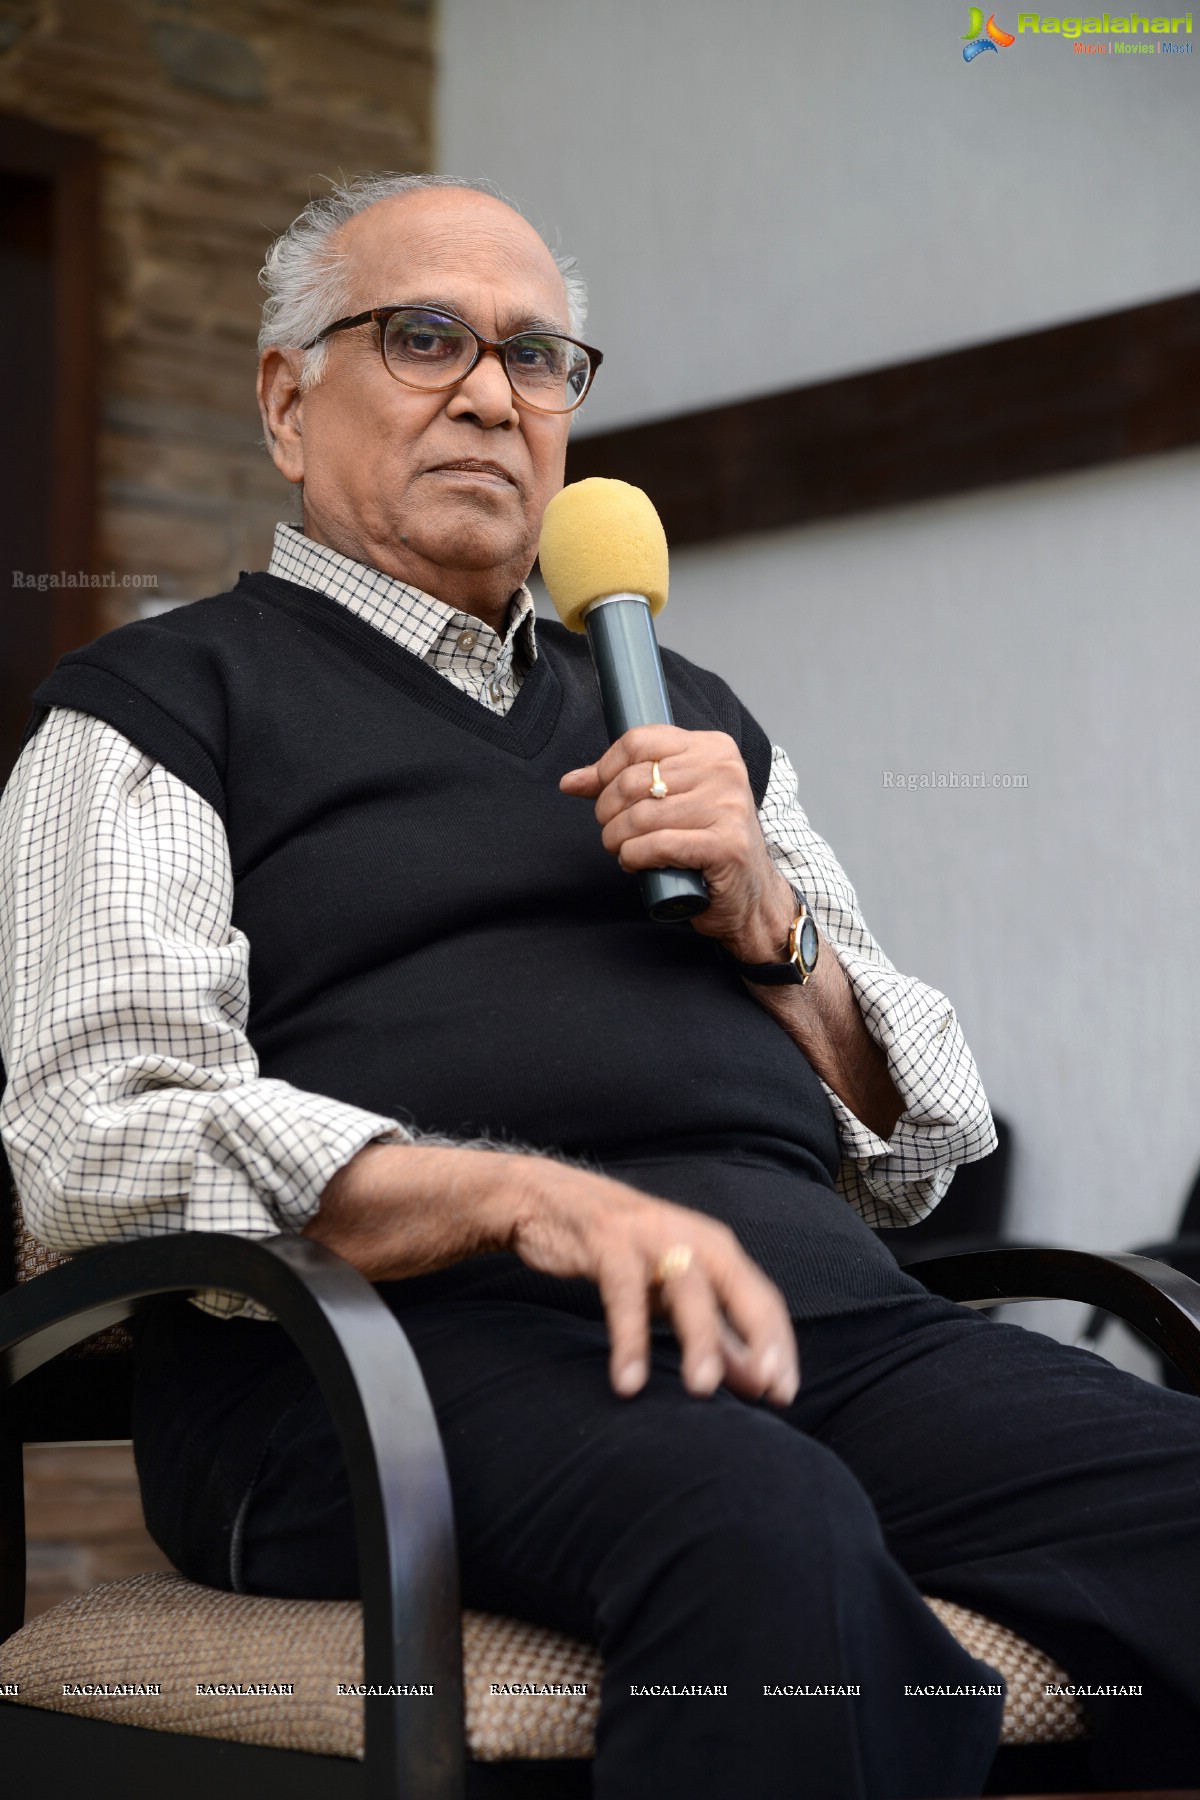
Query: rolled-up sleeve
946	1119
133	1104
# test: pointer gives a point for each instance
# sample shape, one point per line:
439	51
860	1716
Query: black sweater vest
437	934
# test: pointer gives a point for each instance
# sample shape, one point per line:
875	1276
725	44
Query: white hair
306	275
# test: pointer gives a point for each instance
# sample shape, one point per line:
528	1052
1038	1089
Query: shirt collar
416	621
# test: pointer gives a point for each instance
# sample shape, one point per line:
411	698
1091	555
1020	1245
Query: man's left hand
707	821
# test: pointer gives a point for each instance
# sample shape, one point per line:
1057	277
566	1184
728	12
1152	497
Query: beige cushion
1031	1716
34	1259
162	1628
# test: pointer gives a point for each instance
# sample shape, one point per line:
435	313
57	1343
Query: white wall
1058	916
878	199
836	164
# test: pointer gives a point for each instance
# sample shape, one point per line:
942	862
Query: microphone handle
620	634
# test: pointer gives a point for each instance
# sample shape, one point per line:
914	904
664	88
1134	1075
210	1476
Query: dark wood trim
1093	391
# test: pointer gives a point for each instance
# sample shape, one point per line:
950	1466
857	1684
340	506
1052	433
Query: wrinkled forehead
456	248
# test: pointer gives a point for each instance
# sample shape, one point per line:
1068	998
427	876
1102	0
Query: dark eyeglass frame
379	316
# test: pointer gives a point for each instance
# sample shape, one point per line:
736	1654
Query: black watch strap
796	967
781	974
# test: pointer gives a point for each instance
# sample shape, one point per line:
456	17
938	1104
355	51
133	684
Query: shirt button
496	693
466	640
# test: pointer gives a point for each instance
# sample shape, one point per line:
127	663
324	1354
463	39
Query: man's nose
486	394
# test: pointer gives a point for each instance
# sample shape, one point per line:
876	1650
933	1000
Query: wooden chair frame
373	1386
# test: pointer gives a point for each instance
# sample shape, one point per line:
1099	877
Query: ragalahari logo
993	39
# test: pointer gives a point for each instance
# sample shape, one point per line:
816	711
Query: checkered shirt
134	1105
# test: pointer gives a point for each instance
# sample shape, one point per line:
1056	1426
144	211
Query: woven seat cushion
32	1258
163	1629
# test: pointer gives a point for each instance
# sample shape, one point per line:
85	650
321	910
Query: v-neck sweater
438	935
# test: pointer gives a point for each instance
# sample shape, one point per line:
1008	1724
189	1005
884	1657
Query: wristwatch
799	953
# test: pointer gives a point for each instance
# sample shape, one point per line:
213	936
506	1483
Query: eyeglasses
436	350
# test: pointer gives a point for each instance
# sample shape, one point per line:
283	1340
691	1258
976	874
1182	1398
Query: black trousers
712	1542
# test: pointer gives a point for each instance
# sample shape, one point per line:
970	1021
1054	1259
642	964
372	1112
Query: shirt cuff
946	1119
290	1144
285	1144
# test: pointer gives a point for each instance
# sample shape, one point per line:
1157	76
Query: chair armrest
1170	1250
1182	1253
938	1248
372	1385
1157	1301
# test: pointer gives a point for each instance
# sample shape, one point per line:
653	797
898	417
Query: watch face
807	942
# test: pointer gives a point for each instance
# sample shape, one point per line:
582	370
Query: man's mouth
473	465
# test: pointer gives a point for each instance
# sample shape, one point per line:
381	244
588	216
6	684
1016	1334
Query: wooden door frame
70	164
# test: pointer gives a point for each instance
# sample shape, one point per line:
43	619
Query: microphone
603	557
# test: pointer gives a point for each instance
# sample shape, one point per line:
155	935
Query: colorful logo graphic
993	38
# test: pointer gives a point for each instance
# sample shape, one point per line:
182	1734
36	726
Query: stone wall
216	122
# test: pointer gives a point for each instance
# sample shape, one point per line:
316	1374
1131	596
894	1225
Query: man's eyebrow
520	322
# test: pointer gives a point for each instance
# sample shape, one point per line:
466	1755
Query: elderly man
326	924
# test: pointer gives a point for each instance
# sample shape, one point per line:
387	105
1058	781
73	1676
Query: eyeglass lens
428	350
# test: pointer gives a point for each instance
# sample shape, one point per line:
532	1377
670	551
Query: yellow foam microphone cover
602	537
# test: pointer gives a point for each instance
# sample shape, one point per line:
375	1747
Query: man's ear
279	404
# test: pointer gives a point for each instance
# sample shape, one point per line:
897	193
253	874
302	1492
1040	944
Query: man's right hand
404	1209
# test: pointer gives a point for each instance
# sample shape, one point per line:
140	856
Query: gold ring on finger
672	1263
658	787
